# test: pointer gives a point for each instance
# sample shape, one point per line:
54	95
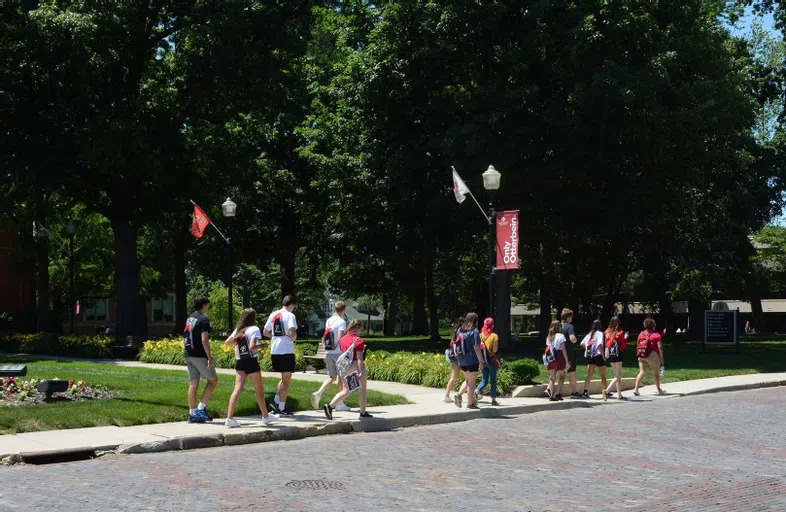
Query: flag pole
212	223
483	212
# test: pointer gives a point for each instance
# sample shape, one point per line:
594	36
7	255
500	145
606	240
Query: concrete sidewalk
427	408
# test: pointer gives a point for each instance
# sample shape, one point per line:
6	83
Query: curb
290	433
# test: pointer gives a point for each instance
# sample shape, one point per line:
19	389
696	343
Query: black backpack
278	325
328	340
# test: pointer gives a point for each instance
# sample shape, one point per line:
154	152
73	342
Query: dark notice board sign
720	327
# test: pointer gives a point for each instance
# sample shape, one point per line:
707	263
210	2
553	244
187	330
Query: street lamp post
491	179
229	208
70	233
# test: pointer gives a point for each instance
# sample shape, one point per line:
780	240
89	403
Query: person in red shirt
616	341
654	357
352	340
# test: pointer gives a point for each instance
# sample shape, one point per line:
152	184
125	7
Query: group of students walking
344	358
602	348
472	352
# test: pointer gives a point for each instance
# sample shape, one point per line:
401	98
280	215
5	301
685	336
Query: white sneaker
271	418
341	406
315	396
231	423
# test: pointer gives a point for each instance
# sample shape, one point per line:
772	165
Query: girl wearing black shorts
245	339
616	340
470	358
595	354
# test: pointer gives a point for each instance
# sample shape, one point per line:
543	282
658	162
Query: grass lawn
686	361
148	396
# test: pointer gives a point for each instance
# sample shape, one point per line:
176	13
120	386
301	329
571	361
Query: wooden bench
319	356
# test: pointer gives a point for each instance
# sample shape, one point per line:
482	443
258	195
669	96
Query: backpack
550	355
188	337
344	361
242	347
278	325
457	344
328	340
614	349
590	344
643	348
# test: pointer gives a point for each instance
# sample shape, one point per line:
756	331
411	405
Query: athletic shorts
470	368
284	363
614	359
197	367
247	366
330	364
559	364
651	361
597	361
570	364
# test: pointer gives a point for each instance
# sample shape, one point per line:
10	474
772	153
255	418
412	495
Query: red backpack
643	348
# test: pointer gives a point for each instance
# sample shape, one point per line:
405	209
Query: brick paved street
721	452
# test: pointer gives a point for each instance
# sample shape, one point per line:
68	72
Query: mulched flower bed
21	392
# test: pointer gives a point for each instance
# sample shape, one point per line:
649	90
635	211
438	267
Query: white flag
460	189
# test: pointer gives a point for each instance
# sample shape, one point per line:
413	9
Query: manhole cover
315	485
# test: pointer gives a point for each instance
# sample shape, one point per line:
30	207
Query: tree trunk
392	314
181	292
419	322
44	316
433	309
754	292
287	253
129	304
545	300
696	310
502	318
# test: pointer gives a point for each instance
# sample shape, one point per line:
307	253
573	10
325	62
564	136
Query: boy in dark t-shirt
199	361
570	336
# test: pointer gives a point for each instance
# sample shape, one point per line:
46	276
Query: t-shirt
282	344
347	340
335	323
196	324
241	348
567	330
653	341
469	340
557	343
491	342
597	343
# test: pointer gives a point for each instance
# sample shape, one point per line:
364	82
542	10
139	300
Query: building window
97	311
162	309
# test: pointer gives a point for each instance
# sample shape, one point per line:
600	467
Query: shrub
52	344
522	370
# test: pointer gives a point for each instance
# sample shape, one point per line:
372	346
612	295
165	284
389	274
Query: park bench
319	356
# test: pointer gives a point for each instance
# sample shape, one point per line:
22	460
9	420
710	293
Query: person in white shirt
335	328
245	340
594	351
555	358
281	327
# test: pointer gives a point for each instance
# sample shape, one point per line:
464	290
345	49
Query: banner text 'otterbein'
508	240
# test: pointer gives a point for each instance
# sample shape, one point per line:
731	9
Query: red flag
200	222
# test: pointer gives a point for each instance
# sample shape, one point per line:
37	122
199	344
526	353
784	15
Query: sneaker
457	400
448	400
621	397
478	396
270	418
231	423
494	402
553	399
207	414
559	397
341	406
610	394
195	418
315	400
364	414
585	394
328	411
286	413
547	392
273	406
575	395
661	392
474	407
636	393
203	414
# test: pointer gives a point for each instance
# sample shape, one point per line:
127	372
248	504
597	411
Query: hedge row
58	345
421	369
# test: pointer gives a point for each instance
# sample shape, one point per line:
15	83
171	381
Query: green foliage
57	345
522	371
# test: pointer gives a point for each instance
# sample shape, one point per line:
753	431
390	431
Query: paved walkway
427	408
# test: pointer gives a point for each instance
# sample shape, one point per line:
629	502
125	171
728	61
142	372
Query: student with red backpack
616	342
555	358
649	350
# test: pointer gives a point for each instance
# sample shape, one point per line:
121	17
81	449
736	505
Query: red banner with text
508	240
